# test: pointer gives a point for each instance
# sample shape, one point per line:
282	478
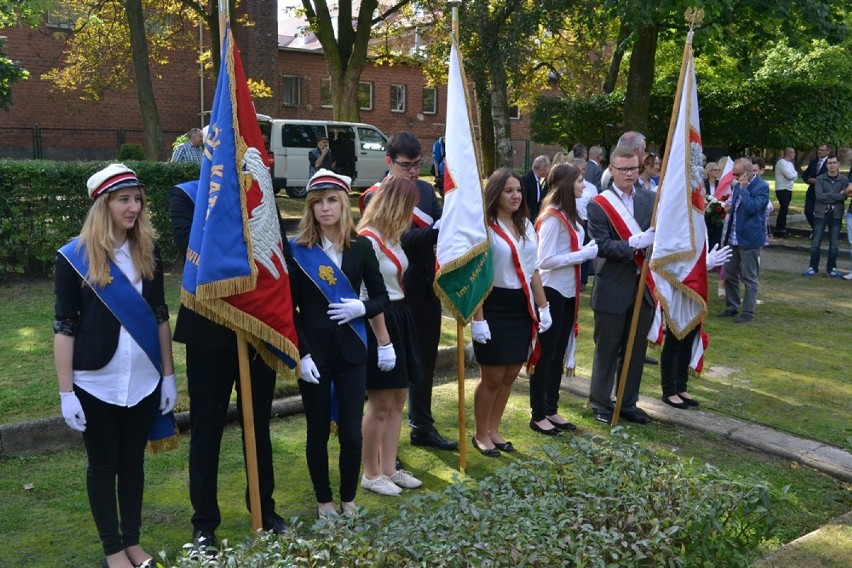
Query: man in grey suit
619	221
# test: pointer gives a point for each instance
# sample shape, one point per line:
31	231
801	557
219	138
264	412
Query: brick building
43	123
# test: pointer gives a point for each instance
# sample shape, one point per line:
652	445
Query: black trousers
674	362
212	373
349	386
784	198
810	203
115	440
427	315
547	376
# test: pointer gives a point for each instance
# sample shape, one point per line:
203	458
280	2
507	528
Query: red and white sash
387	252
626	226
519	271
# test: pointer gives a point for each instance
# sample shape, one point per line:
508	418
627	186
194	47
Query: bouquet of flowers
714	212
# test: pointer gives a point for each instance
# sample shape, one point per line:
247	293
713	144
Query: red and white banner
678	260
723	187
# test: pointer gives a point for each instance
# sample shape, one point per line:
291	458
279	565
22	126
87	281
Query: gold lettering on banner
192	256
327	273
480	264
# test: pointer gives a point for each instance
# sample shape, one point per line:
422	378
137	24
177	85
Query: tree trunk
344	95
617	56
487	146
144	86
500	113
640	79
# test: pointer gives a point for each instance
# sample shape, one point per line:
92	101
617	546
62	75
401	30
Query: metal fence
42	143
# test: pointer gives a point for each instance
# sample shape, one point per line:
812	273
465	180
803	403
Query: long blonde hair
390	210
309	228
98	237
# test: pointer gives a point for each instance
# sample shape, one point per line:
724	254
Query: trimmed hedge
597	503
43	204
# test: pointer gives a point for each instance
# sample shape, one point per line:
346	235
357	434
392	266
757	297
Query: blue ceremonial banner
235	273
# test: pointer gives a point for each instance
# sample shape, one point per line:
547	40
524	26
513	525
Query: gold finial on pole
454	4
694	17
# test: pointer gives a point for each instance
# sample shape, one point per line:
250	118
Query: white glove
347	310
718	256
387	357
72	412
544	319
480	331
437	225
642	240
308	371
168	394
589	250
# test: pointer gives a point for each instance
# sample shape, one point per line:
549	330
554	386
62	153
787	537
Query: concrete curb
791	554
51	434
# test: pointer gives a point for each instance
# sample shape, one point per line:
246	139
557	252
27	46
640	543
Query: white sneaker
404	479
848	275
381	485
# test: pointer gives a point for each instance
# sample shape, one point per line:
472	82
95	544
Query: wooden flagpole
246	405
694	17
460	324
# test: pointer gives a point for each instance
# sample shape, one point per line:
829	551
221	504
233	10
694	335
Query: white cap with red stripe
111	178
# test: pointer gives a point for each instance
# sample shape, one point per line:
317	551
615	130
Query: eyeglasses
626	171
409	165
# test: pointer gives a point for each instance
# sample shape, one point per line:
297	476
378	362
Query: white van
358	150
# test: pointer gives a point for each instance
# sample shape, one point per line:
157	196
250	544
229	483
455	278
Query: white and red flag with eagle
679	260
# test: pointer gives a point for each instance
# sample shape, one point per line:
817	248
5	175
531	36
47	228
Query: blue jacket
750	216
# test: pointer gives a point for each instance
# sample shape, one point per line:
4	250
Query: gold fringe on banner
165	444
568	371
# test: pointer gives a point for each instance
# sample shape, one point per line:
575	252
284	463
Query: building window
430	100
514	112
61	17
325	93
365	95
397	98
291	90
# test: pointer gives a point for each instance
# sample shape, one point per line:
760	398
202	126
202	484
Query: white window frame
325	85
285	89
369	84
514	112
401	89
434	91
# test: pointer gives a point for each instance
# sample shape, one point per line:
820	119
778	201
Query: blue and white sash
328	278
190	188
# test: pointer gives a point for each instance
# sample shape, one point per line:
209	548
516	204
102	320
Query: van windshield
302	135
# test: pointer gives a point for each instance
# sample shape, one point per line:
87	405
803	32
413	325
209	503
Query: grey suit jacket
616	276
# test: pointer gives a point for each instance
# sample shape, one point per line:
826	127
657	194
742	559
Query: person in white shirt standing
785	177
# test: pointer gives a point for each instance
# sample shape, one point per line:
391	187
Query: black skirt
399	320
510	323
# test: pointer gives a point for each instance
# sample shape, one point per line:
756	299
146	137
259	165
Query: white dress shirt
390	274
505	275
556	258
626	199
785	175
335	254
130	375
589	191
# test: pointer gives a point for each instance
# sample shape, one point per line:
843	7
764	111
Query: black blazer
528	182
192	328
812	172
616	275
419	246
321	337
80	313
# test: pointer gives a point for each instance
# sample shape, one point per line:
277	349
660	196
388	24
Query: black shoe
536	428
745	318
275	525
729	313
690	401
567	426
432	439
488	452
651	361
505	447
680	405
636	416
604	417
204	542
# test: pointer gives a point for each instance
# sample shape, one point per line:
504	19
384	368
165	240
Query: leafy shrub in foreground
604	502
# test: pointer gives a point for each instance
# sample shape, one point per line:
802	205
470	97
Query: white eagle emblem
264	230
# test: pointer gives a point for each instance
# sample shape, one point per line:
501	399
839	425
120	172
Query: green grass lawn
50	524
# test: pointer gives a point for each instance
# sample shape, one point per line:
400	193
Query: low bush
43	204
131	151
601	503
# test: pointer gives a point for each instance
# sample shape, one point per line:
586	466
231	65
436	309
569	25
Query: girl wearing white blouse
504	327
384	220
560	254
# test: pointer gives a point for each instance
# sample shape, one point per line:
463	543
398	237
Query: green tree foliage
10	73
13	12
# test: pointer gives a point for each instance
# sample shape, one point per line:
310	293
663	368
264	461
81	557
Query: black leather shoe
680	405
651	361
536	428
275	525
690	401
636	416
567	426
204	542
745	318
604	417
728	313
504	447
487	452
432	439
